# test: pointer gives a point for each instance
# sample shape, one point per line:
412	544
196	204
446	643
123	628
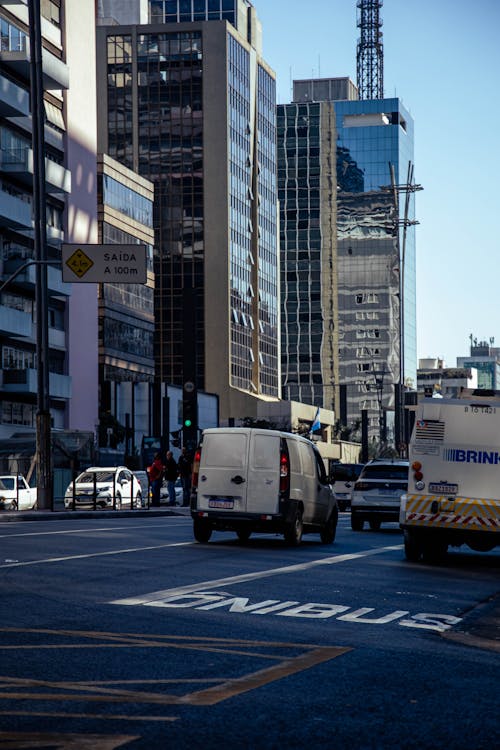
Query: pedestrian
155	474
171	474
185	469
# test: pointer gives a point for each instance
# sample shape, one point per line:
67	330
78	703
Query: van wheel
329	530
243	535
202	530
356	522
294	529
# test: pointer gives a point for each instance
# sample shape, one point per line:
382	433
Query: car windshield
100	476
385	472
6	483
345	473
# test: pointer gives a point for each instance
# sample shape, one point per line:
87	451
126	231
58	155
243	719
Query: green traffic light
187	423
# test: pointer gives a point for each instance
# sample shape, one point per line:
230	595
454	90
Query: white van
253	480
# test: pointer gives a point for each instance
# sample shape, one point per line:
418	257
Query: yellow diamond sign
79	263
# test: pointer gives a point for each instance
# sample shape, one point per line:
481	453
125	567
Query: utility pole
43	450
403	221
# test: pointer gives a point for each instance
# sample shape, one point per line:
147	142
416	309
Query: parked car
250	480
142	477
16	494
104	487
342	479
377	493
178	492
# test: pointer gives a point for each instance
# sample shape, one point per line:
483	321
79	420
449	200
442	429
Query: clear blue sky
442	59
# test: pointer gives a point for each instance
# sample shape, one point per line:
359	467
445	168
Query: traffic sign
123	264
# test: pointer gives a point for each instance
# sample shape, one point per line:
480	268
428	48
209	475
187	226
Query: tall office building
307	185
126	314
375	250
189	103
69	180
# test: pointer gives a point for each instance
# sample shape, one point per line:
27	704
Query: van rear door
264	473
223	475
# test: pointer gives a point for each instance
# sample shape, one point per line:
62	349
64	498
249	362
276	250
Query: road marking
63	741
92	554
289	658
231	580
88	530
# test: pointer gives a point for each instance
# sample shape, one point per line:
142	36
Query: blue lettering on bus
461	456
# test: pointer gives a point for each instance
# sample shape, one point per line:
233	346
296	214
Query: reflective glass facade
181	11
372	135
173	71
306	179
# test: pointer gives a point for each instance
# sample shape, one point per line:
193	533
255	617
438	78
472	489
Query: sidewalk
63	514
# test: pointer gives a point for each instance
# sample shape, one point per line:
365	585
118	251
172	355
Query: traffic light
190	417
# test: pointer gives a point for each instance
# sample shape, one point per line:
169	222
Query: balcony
15	322
19	163
14	212
14	100
26	382
55	73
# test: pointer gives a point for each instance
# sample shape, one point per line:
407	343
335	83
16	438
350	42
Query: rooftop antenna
370	52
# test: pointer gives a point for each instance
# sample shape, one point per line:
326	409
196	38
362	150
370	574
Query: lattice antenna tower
370	51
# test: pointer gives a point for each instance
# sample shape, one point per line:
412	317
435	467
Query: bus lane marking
205	596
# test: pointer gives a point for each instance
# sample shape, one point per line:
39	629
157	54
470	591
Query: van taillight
196	468
284	472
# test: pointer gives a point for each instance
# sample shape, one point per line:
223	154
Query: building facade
190	105
18	305
126	311
307	189
485	358
375	253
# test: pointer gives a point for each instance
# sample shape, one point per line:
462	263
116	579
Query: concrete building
485	358
189	103
435	379
126	313
69	149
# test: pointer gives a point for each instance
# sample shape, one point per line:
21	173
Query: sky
442	59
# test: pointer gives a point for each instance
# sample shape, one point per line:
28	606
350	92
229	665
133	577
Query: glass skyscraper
374	251
192	106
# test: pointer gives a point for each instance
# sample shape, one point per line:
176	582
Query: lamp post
43	454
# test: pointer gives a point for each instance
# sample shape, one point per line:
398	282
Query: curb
62	515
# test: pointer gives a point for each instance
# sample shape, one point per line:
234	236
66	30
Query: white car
104	487
377	493
16	494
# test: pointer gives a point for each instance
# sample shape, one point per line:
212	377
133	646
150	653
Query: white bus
453	493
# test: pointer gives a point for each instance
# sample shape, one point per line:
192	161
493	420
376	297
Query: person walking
155	473
185	469
171	474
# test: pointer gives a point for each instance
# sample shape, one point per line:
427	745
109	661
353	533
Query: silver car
104	487
377	493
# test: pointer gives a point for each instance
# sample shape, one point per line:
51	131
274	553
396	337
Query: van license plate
443	489
221	502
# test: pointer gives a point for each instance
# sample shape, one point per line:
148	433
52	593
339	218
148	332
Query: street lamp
43	455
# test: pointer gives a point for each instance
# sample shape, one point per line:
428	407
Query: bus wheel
413	548
434	550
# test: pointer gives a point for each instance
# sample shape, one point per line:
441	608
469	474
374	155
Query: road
122	632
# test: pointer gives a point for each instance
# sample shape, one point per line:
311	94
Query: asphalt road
121	631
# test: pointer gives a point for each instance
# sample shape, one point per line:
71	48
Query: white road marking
93	554
300	567
88	530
